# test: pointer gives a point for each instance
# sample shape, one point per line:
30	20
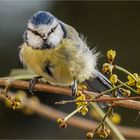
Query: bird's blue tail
99	84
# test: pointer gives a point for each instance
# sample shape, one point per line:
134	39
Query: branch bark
20	84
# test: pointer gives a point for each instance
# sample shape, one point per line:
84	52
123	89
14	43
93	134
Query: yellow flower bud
104	133
15	105
59	120
131	81
107	68
138	88
107	131
62	123
81	97
78	93
113	78
90	135
111	54
125	92
138	85
82	87
116	118
84	110
136	75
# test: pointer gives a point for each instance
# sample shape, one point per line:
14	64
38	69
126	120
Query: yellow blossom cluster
81	97
108	67
15	103
103	132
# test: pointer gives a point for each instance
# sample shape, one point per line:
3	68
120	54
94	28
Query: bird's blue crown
42	17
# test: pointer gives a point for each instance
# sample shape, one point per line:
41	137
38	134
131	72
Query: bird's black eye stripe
53	29
35	32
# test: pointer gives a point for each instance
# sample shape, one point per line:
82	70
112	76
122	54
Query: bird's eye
36	33
52	30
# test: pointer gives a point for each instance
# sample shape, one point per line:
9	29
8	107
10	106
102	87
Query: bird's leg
32	83
74	88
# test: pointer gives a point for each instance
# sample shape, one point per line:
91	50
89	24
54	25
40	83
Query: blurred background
107	25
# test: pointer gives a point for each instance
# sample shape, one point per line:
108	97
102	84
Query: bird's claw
74	88
32	83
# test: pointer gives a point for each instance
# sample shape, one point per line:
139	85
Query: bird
56	52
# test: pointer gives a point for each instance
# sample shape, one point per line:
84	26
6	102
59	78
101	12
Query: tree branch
20	84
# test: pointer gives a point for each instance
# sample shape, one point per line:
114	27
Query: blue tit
54	51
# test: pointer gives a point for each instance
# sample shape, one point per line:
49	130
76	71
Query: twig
113	128
125	71
74	112
19	84
107	99
104	118
125	85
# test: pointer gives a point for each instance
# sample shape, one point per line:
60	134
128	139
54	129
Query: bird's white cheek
55	40
34	40
56	37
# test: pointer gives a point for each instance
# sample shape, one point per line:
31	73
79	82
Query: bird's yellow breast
58	57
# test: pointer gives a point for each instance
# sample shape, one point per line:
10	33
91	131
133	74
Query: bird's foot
32	83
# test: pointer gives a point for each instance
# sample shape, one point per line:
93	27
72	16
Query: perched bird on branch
54	51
